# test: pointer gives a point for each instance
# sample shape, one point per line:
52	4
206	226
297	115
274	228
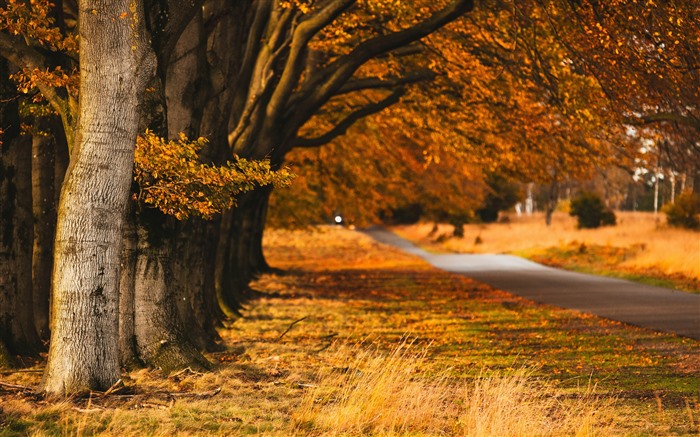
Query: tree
502	194
521	109
17	330
644	56
116	64
282	84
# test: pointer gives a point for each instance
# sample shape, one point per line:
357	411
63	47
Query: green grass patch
608	261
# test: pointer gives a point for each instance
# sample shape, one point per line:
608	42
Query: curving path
657	308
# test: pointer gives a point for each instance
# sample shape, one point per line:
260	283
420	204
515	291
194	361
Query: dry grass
390	395
345	369
377	393
653	245
520	405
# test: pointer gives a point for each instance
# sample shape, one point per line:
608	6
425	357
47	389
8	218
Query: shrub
502	194
458	221
685	212
590	211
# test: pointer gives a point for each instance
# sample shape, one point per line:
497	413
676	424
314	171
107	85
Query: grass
641	247
476	361
390	395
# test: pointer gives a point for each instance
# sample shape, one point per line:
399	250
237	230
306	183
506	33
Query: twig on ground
206	394
12	372
291	325
183	371
15	386
116	386
87	410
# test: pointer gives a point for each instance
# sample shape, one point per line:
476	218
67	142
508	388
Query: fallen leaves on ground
341	291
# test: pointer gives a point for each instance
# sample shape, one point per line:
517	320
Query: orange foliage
34	21
506	95
172	178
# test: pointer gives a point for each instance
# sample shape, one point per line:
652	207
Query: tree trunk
6	360
236	268
194	258
17	330
43	196
257	255
186	84
116	63
240	254
128	355
160	339
224	276
552	200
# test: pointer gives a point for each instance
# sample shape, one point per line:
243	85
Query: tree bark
226	277
257	254
128	355
194	261
160	339
116	64
240	256
186	87
43	196
17	330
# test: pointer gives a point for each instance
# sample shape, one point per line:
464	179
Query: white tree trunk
116	62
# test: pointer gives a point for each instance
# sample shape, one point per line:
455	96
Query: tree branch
260	82
661	117
319	89
15	50
257	29
295	61
348	121
378	83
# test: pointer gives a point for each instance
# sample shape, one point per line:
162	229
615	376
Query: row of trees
566	91
130	283
209	98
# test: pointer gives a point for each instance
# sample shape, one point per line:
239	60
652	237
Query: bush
502	194
685	213
590	211
458	221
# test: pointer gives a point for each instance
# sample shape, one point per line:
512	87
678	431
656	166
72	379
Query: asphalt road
657	308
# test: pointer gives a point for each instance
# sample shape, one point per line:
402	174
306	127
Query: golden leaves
303	6
34	21
172	178
28	79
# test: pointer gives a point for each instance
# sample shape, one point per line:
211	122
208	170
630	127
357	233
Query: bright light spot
338	219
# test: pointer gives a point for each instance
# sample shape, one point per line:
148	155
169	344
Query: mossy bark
159	336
